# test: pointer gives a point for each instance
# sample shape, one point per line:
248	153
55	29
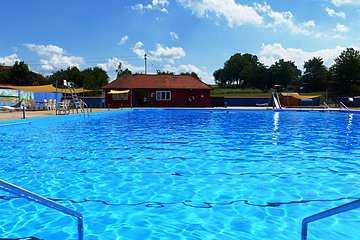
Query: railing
343	106
11	188
326	106
327	213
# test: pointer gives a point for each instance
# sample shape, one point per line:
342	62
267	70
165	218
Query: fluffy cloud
123	40
341	28
167	54
54	57
333	13
309	23
111	65
137	49
174	36
160	54
235	14
286	19
159	5
270	53
344	2
204	76
9	60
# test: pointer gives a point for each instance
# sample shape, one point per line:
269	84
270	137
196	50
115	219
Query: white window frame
120	96
163	95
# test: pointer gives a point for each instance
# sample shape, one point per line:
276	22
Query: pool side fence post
23	112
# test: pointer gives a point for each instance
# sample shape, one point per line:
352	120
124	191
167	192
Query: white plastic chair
48	104
53	105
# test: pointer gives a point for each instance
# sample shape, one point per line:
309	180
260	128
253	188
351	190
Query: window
163	95
120	96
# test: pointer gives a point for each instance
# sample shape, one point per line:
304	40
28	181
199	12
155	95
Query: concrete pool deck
14	115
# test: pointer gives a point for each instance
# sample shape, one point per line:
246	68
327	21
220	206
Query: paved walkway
33	114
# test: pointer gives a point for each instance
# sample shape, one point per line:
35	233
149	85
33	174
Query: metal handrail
342	105
326	106
327	213
21	192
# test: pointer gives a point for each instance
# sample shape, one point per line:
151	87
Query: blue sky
177	35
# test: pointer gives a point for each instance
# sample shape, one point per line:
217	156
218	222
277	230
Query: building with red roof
143	90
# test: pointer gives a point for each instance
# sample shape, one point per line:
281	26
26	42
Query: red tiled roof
156	81
5	67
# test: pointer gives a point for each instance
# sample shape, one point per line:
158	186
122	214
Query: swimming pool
183	174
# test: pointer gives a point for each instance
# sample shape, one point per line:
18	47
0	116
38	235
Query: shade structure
118	91
298	96
44	88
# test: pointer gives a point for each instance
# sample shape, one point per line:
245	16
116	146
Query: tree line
20	75
246	71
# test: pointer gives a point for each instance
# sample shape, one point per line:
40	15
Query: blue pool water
183	174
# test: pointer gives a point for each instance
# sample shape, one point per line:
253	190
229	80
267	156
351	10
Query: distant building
140	90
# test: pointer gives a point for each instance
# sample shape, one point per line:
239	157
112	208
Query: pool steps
21	192
327	213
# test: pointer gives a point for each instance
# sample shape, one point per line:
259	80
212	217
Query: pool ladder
327	108
11	188
327	213
343	106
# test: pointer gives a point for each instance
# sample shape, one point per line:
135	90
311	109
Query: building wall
245	101
147	98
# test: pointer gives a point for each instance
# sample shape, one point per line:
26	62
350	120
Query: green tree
71	74
90	78
193	74
159	72
94	78
284	73
346	72
315	74
120	71
220	77
19	74
243	70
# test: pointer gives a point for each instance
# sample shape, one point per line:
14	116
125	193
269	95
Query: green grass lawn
240	92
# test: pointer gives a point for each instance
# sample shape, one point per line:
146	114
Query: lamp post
56	96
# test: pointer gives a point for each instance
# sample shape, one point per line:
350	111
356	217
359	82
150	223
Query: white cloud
111	65
159	5
54	57
123	40
160	54
174	36
345	2
286	19
333	13
235	14
309	23
204	76
137	49
270	53
43	50
9	60
167	54
341	28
